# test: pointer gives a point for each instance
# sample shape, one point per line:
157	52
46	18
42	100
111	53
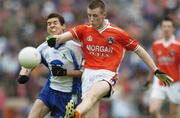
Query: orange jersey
168	57
104	48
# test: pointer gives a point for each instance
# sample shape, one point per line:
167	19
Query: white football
29	57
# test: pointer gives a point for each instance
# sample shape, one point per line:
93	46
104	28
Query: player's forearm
64	37
150	76
146	58
74	73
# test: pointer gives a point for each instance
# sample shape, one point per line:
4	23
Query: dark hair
167	18
97	4
56	15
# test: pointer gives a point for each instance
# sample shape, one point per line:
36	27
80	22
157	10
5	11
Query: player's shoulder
158	42
42	46
178	39
177	42
116	28
85	25
72	43
73	46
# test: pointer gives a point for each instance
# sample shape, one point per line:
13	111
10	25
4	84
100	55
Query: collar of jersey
105	25
168	42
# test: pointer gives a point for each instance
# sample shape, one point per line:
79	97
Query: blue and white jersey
65	56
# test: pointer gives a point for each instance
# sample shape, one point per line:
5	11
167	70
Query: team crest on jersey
110	40
172	52
159	52
89	38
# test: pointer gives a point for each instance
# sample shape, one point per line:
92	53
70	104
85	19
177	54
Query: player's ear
104	13
64	27
174	29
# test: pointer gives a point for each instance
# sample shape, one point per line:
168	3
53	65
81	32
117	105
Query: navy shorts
55	100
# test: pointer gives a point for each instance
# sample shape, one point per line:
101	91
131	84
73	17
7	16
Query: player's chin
53	33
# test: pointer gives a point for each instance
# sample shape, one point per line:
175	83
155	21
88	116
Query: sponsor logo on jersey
89	38
57	62
97	48
165	60
99	51
64	56
110	40
172	52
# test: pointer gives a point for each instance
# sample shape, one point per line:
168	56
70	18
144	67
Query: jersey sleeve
77	32
128	42
41	48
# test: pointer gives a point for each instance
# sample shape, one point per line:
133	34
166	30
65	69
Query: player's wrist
64	72
158	72
22	79
58	71
51	41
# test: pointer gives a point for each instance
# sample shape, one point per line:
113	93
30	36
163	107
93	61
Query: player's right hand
22	79
57	70
163	77
51	41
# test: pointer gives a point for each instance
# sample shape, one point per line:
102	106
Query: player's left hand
51	40
58	71
163	77
22	79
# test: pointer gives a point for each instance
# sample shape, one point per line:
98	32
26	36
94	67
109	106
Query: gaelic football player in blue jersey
64	64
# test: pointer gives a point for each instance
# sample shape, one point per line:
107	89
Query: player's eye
94	15
89	15
48	24
55	22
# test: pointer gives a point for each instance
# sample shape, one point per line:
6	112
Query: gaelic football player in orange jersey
104	46
166	52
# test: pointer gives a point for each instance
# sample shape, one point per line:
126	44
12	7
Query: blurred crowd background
23	23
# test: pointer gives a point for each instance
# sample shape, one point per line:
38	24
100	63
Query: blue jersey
58	90
68	55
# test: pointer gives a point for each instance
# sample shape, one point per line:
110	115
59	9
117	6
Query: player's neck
167	38
103	25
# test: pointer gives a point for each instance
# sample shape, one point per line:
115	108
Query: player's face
54	27
167	28
96	17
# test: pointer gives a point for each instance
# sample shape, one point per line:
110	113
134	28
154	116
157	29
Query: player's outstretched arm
167	80
74	73
52	40
23	75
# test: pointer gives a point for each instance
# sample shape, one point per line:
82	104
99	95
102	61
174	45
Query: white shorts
161	92
90	76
